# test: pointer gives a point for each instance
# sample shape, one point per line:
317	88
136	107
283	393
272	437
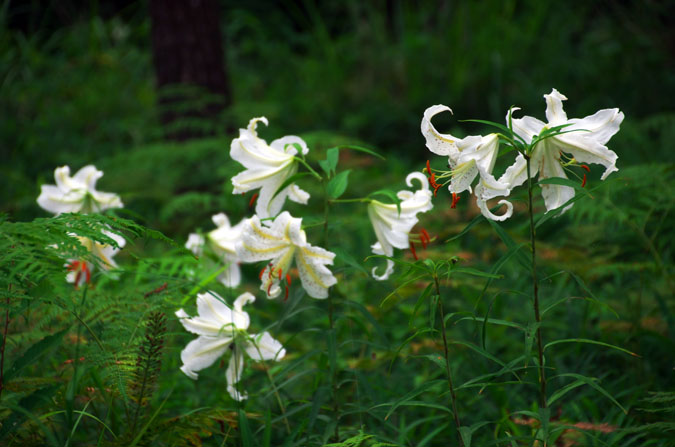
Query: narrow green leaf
363	149
466	229
348	259
511	244
24	409
245	430
591	381
564	390
423	297
593	342
465	433
414	393
34	352
475	272
338	184
140	434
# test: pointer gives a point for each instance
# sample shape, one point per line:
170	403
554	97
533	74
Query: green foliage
99	365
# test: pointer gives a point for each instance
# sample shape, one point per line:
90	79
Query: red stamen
87	272
280	273
412	249
271	271
426	235
432	180
286	294
586	168
436	188
423	241
455	199
583	182
288	279
252	201
268	288
261	273
428	167
73	266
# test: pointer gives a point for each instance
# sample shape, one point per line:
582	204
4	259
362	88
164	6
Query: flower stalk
453	396
535	286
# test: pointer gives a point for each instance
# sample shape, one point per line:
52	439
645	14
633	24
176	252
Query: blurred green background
77	81
77	86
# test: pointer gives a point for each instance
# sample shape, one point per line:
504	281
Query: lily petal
263	347
314	275
201	353
436	142
233	375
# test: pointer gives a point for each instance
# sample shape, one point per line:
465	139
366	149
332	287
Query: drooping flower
219	327
267	167
223	242
281	243
393	227
468	157
79	271
584	139
77	193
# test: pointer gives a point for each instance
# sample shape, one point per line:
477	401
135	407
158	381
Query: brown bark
189	65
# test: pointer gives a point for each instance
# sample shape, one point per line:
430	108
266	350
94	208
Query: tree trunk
189	65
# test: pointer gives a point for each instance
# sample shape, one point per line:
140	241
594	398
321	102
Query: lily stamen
288	279
412	249
252	201
455	199
583	182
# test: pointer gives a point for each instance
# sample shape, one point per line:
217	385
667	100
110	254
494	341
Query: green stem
447	363
309	168
535	285
333	378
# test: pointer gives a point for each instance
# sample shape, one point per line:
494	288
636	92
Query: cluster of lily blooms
275	237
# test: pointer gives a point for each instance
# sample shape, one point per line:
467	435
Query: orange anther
428	167
583	182
412	249
252	201
286	294
455	199
288	279
280	273
585	167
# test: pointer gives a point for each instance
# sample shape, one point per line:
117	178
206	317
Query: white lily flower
281	243
468	157
79	271
223	241
586	145
391	227
219	327
77	193
267	167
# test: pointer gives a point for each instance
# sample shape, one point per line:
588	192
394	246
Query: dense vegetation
99	364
